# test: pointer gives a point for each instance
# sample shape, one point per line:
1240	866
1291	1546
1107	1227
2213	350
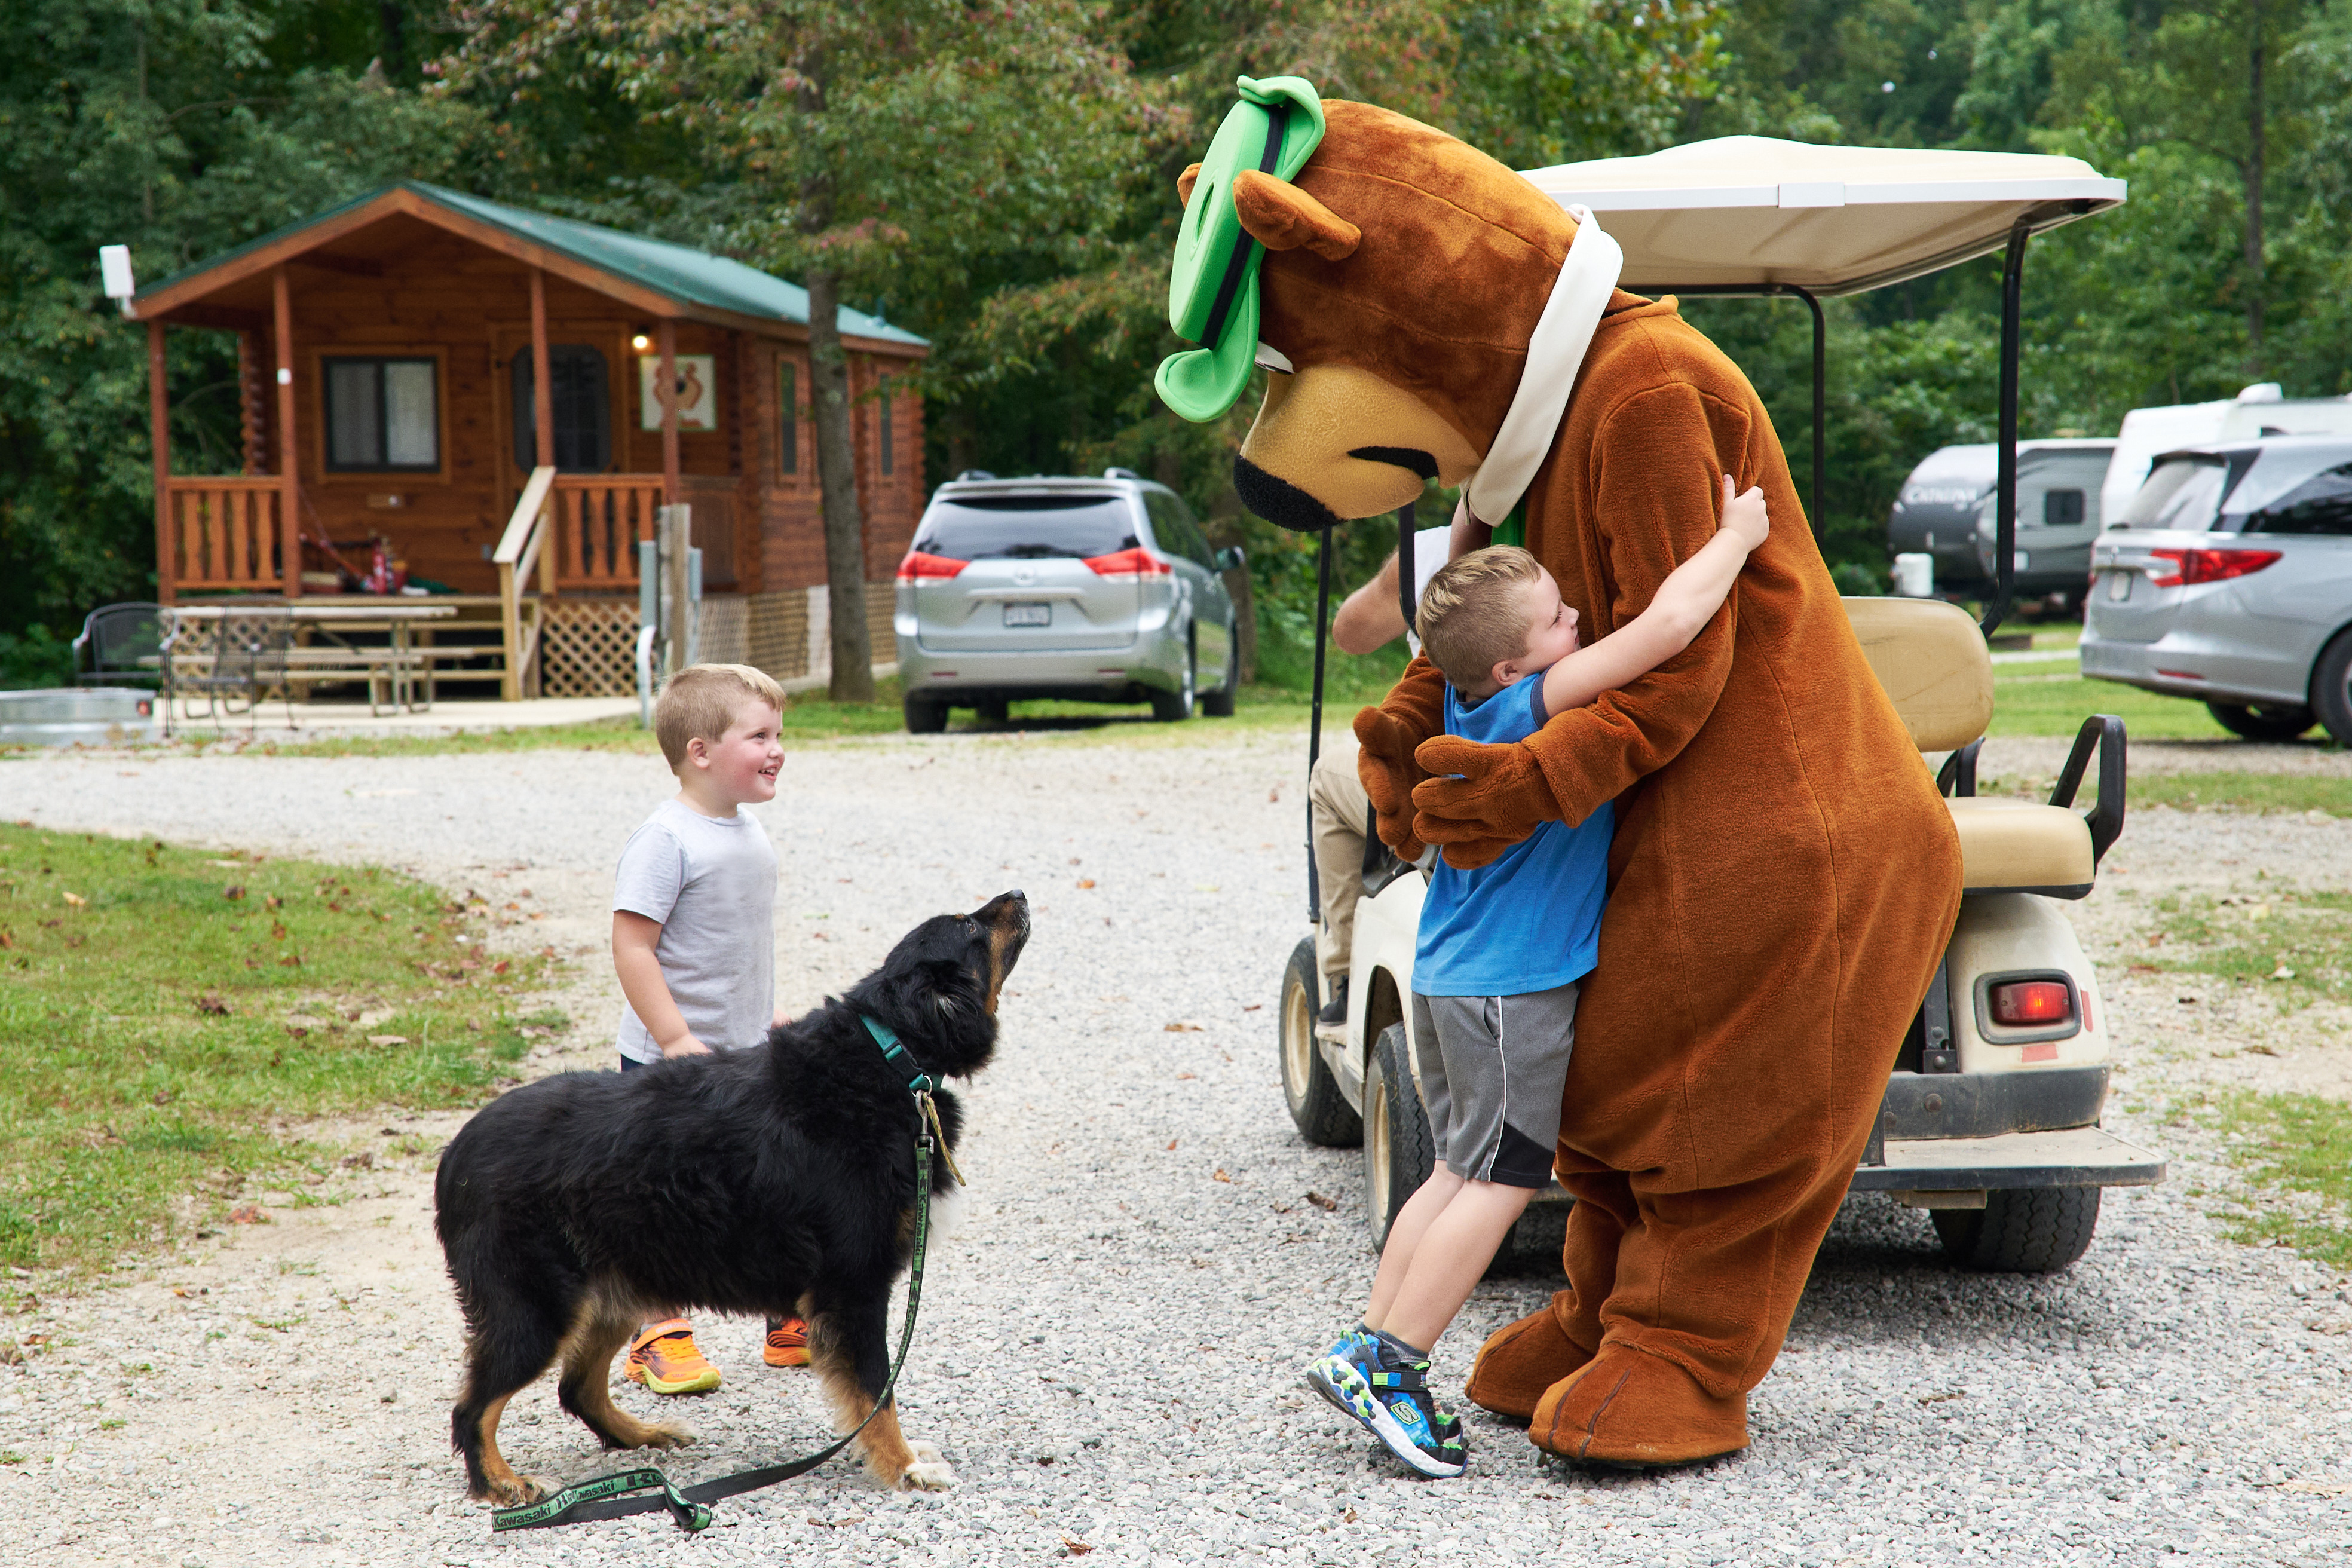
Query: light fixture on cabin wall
640	341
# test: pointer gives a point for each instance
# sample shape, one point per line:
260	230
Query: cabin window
580	393
788	401
383	416
882	402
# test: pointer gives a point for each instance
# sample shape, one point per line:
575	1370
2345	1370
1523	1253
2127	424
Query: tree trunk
2253	174
836	470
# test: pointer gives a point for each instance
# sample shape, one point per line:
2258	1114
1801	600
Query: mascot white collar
1555	353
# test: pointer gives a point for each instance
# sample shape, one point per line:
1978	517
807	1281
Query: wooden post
159	424
542	385
289	481
665	383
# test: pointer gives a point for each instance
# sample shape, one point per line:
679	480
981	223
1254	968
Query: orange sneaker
787	1343
663	1358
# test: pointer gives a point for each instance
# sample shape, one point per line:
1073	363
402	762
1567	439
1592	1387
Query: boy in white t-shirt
694	909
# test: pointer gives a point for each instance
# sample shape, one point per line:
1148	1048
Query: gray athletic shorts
1492	1069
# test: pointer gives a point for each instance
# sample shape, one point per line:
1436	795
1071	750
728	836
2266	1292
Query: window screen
382	414
788	401
2321	504
581	401
981	528
2061	508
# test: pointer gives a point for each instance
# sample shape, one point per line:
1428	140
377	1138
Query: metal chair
246	651
124	645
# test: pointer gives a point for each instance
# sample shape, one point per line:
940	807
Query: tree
872	147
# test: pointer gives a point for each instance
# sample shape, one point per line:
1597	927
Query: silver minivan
1088	590
2228	579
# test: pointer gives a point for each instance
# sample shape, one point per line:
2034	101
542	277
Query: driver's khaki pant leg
1338	807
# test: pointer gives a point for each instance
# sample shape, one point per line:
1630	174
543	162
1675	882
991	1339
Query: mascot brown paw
1629	1409
1519	1364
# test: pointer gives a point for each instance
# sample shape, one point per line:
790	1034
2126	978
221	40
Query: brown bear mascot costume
1784	876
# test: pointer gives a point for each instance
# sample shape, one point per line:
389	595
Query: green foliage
34	658
156	1031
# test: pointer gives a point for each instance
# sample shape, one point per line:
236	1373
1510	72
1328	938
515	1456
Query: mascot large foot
1630	1409
1520	1361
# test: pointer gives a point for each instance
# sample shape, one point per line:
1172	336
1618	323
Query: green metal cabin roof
690	277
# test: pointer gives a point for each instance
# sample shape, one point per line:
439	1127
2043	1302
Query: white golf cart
1991	1116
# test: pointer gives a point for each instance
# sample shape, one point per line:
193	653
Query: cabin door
581	383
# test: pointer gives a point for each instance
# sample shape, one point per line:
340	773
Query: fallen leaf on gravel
1940	1398
2281	972
1086	881
500	967
248	1214
1180	1028
1348	1515
1205	887
1255	1007
1074	1547
2146	969
2316	1489
1182	1076
1320	1202
2186	1001
1171	1143
387	1039
1272	795
2262	1050
1221	1177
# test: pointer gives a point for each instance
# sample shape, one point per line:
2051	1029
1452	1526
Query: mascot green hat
1213	287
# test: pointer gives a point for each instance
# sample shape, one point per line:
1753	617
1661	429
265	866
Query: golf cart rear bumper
2076	1157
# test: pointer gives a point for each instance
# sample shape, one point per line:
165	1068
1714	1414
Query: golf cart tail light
2193	566
917	566
146	708
1129	566
2029	1004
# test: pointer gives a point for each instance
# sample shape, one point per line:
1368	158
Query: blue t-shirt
1529	919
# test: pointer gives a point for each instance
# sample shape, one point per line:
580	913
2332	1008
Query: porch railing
228	531
598	520
523	546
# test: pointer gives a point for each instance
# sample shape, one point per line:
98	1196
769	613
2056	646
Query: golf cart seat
1931	660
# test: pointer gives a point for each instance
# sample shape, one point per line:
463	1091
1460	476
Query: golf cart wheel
1309	1089
2331	687
924	716
1399	1151
1219	704
2021	1230
2263	721
1170	707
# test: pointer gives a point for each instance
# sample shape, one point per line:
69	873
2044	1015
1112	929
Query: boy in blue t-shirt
1496	969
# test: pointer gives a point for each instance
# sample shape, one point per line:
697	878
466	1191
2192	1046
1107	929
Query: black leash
604	1497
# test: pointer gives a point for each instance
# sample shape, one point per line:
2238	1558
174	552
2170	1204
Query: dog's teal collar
918	1082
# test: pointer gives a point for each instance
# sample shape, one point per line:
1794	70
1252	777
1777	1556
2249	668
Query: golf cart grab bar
1959	773
2105	820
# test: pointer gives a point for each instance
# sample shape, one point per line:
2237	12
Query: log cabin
449	388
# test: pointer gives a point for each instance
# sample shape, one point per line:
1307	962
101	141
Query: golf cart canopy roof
1756	210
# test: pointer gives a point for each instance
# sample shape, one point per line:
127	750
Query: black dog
761	1183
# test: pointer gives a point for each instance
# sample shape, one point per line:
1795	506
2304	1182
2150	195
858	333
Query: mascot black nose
1279	501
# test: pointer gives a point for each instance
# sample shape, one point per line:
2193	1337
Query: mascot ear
1185	183
1281	217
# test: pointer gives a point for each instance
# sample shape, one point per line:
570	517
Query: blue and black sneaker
1388	1392
1357	1346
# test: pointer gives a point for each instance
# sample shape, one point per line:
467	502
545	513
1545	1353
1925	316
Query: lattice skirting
776	632
724	634
588	647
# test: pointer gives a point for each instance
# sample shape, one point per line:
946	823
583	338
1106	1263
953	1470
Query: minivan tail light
917	566
2030	1004
1130	567
2191	566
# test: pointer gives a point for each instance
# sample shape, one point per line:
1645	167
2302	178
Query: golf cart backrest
1932	661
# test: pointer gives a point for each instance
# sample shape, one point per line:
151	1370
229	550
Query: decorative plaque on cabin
698	392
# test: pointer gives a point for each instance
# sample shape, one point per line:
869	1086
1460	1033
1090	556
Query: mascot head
1394	281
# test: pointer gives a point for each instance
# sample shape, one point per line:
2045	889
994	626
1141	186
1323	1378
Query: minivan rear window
2182	493
996	528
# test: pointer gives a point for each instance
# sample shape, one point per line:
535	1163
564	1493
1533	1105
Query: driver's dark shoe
1336	1010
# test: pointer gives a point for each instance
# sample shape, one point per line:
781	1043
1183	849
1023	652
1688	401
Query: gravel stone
1111	1345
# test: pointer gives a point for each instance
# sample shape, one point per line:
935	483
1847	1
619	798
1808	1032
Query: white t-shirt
711	883
1428	548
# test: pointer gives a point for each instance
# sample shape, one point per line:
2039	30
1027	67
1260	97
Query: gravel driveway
1111	1345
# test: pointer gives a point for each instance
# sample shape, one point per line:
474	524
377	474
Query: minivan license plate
2119	584
1029	614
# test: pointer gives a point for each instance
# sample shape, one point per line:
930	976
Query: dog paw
518	1492
667	1435
927	1470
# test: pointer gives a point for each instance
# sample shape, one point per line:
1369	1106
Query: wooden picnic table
397	664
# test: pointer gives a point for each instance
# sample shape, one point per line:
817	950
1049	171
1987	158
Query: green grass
164	1011
2247	939
2026	701
2298	1144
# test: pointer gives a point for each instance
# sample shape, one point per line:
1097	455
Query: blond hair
701	700
1471	616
